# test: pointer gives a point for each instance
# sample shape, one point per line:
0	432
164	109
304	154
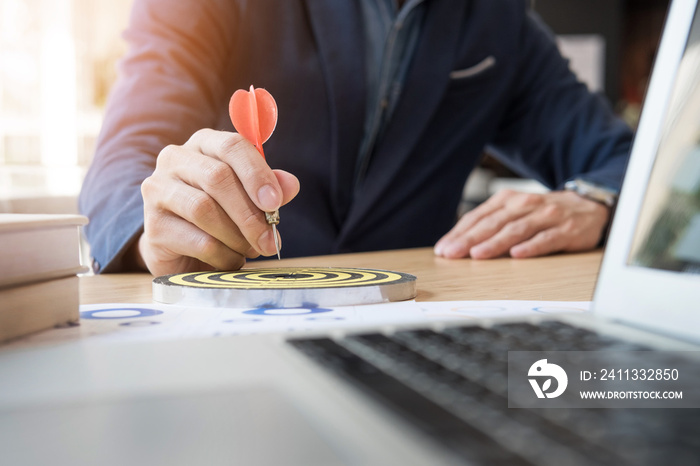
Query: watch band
592	191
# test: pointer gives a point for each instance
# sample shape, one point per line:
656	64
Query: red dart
254	115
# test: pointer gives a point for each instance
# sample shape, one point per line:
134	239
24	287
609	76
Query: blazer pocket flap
475	70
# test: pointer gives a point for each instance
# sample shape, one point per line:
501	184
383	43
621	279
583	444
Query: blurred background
58	61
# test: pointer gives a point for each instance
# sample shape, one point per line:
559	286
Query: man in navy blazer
385	107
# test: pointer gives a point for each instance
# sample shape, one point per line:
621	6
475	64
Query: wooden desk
566	277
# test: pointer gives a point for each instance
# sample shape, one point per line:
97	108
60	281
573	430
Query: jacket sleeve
170	85
555	129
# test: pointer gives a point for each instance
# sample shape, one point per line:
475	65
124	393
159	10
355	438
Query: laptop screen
650	276
667	235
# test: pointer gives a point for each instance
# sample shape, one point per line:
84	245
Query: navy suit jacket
516	97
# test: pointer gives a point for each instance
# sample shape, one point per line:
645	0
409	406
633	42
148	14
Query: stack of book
39	263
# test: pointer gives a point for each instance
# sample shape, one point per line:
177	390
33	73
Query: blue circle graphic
141	312
286	311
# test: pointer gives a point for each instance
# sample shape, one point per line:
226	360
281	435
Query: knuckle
251	221
217	174
529	200
147	187
570	227
246	173
516	229
207	245
151	193
166	153
553	210
168	150
489	224
200	135
467	239
505	194
202	206
547	237
231	144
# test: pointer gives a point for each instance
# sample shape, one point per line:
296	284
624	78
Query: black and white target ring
285	287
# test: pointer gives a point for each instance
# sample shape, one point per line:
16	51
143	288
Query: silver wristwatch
592	191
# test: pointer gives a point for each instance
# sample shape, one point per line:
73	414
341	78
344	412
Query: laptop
420	396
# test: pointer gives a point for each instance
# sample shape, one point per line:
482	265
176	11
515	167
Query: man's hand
526	225
204	205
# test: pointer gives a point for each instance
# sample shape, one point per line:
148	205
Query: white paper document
140	322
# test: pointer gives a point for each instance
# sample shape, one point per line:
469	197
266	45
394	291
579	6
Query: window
57	63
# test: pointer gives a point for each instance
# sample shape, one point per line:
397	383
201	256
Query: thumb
289	184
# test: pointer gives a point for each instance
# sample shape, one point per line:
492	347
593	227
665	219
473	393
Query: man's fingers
468	221
255	175
460	244
218	179
545	242
528	225
205	204
200	209
170	238
515	232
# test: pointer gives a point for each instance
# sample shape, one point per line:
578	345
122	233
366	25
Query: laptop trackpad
239	426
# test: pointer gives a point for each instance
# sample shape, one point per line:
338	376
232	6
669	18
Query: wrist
602	195
593	192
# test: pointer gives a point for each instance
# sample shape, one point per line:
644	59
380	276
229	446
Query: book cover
35	247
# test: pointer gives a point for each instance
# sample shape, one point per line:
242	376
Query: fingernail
268	198
437	250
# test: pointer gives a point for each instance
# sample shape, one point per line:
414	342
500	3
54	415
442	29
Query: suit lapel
423	90
337	28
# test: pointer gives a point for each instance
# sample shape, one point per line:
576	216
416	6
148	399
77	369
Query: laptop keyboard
452	385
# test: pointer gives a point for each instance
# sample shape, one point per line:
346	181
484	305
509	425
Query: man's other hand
526	225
